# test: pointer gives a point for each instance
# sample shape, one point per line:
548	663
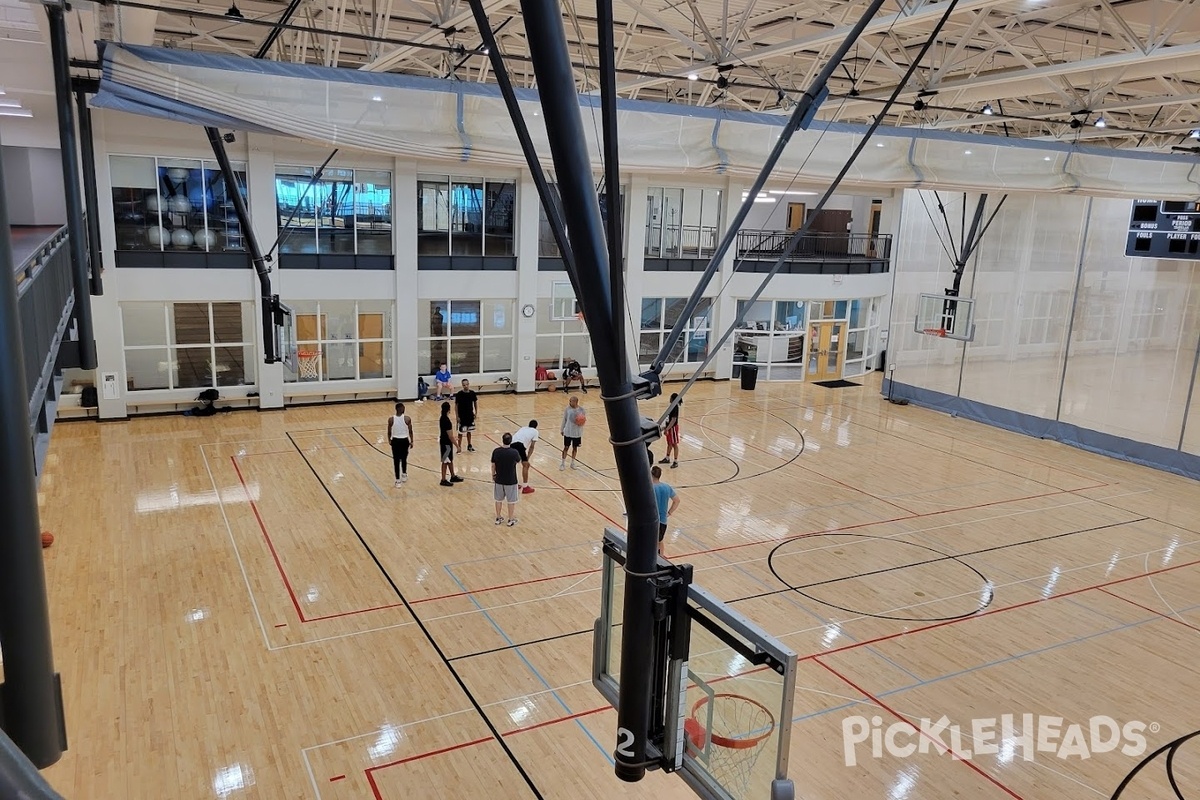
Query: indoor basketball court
284	611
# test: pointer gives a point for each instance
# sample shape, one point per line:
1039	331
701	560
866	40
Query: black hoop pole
612	163
564	128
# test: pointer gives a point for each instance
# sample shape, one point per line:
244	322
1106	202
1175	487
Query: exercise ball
178	174
157	235
206	239
152	203
181	237
180	204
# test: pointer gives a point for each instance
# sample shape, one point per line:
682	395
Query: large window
682	223
471	336
659	316
547	245
339	340
345	211
174	204
559	340
187	345
465	216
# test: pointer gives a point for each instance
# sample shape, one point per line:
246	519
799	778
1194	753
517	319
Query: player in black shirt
446	445
466	403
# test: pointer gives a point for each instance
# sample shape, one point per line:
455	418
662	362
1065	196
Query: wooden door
826	350
795	216
370	354
873	226
832	229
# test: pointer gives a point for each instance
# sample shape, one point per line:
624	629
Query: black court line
516	645
884	570
420	624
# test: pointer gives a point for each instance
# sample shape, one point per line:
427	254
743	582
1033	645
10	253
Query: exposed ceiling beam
395	56
753	54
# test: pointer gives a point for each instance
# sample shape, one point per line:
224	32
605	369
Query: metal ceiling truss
1135	62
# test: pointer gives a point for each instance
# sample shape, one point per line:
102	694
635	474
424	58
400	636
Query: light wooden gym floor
244	606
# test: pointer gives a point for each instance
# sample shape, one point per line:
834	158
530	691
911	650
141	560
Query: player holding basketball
573	420
466	403
524	440
671	432
667	499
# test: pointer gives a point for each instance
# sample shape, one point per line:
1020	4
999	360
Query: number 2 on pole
625	742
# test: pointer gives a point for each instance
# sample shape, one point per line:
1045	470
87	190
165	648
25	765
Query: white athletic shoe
562	465
574	465
512	522
404	477
499	520
398	484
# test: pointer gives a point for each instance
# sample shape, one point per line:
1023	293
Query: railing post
30	697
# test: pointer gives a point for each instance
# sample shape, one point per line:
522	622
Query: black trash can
749	376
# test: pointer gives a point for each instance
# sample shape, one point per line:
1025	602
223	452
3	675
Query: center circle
827	572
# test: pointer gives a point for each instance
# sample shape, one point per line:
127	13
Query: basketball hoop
740	727
935	332
309	362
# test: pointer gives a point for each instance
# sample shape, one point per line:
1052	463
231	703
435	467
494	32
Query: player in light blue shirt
667	499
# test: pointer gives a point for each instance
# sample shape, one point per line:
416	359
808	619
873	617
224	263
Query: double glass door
826	351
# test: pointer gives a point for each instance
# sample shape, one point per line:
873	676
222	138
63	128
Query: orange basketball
581	419
47	538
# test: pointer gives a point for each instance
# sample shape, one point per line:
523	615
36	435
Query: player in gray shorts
504	479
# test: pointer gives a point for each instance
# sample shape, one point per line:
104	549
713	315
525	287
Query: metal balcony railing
768	245
45	299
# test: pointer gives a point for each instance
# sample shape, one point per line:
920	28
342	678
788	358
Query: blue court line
517	649
801	606
357	466
1077	640
588	543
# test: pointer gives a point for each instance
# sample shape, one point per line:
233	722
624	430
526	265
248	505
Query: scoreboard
1164	229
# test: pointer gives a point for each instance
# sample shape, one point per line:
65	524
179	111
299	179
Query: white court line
236	552
1154	586
492	704
250	591
312	777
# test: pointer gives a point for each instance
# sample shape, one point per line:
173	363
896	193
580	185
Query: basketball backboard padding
945	316
728	656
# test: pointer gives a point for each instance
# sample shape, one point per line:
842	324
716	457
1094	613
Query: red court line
565	489
557	720
370	771
267	536
337	778
1025	604
1176	620
794	463
279	564
971	764
771	542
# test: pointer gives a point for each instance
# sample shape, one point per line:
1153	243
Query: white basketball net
309	364
739	733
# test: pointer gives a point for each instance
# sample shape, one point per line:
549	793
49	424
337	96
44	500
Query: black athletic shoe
446	483
470	448
457	479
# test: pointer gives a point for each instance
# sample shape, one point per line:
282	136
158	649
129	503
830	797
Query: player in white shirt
523	441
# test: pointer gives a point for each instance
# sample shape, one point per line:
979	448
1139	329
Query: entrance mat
838	384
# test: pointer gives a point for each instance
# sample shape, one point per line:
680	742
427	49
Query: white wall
1068	327
406	285
33	182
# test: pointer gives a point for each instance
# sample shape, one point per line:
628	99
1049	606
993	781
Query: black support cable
257	259
550	203
804	108
794	241
612	165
